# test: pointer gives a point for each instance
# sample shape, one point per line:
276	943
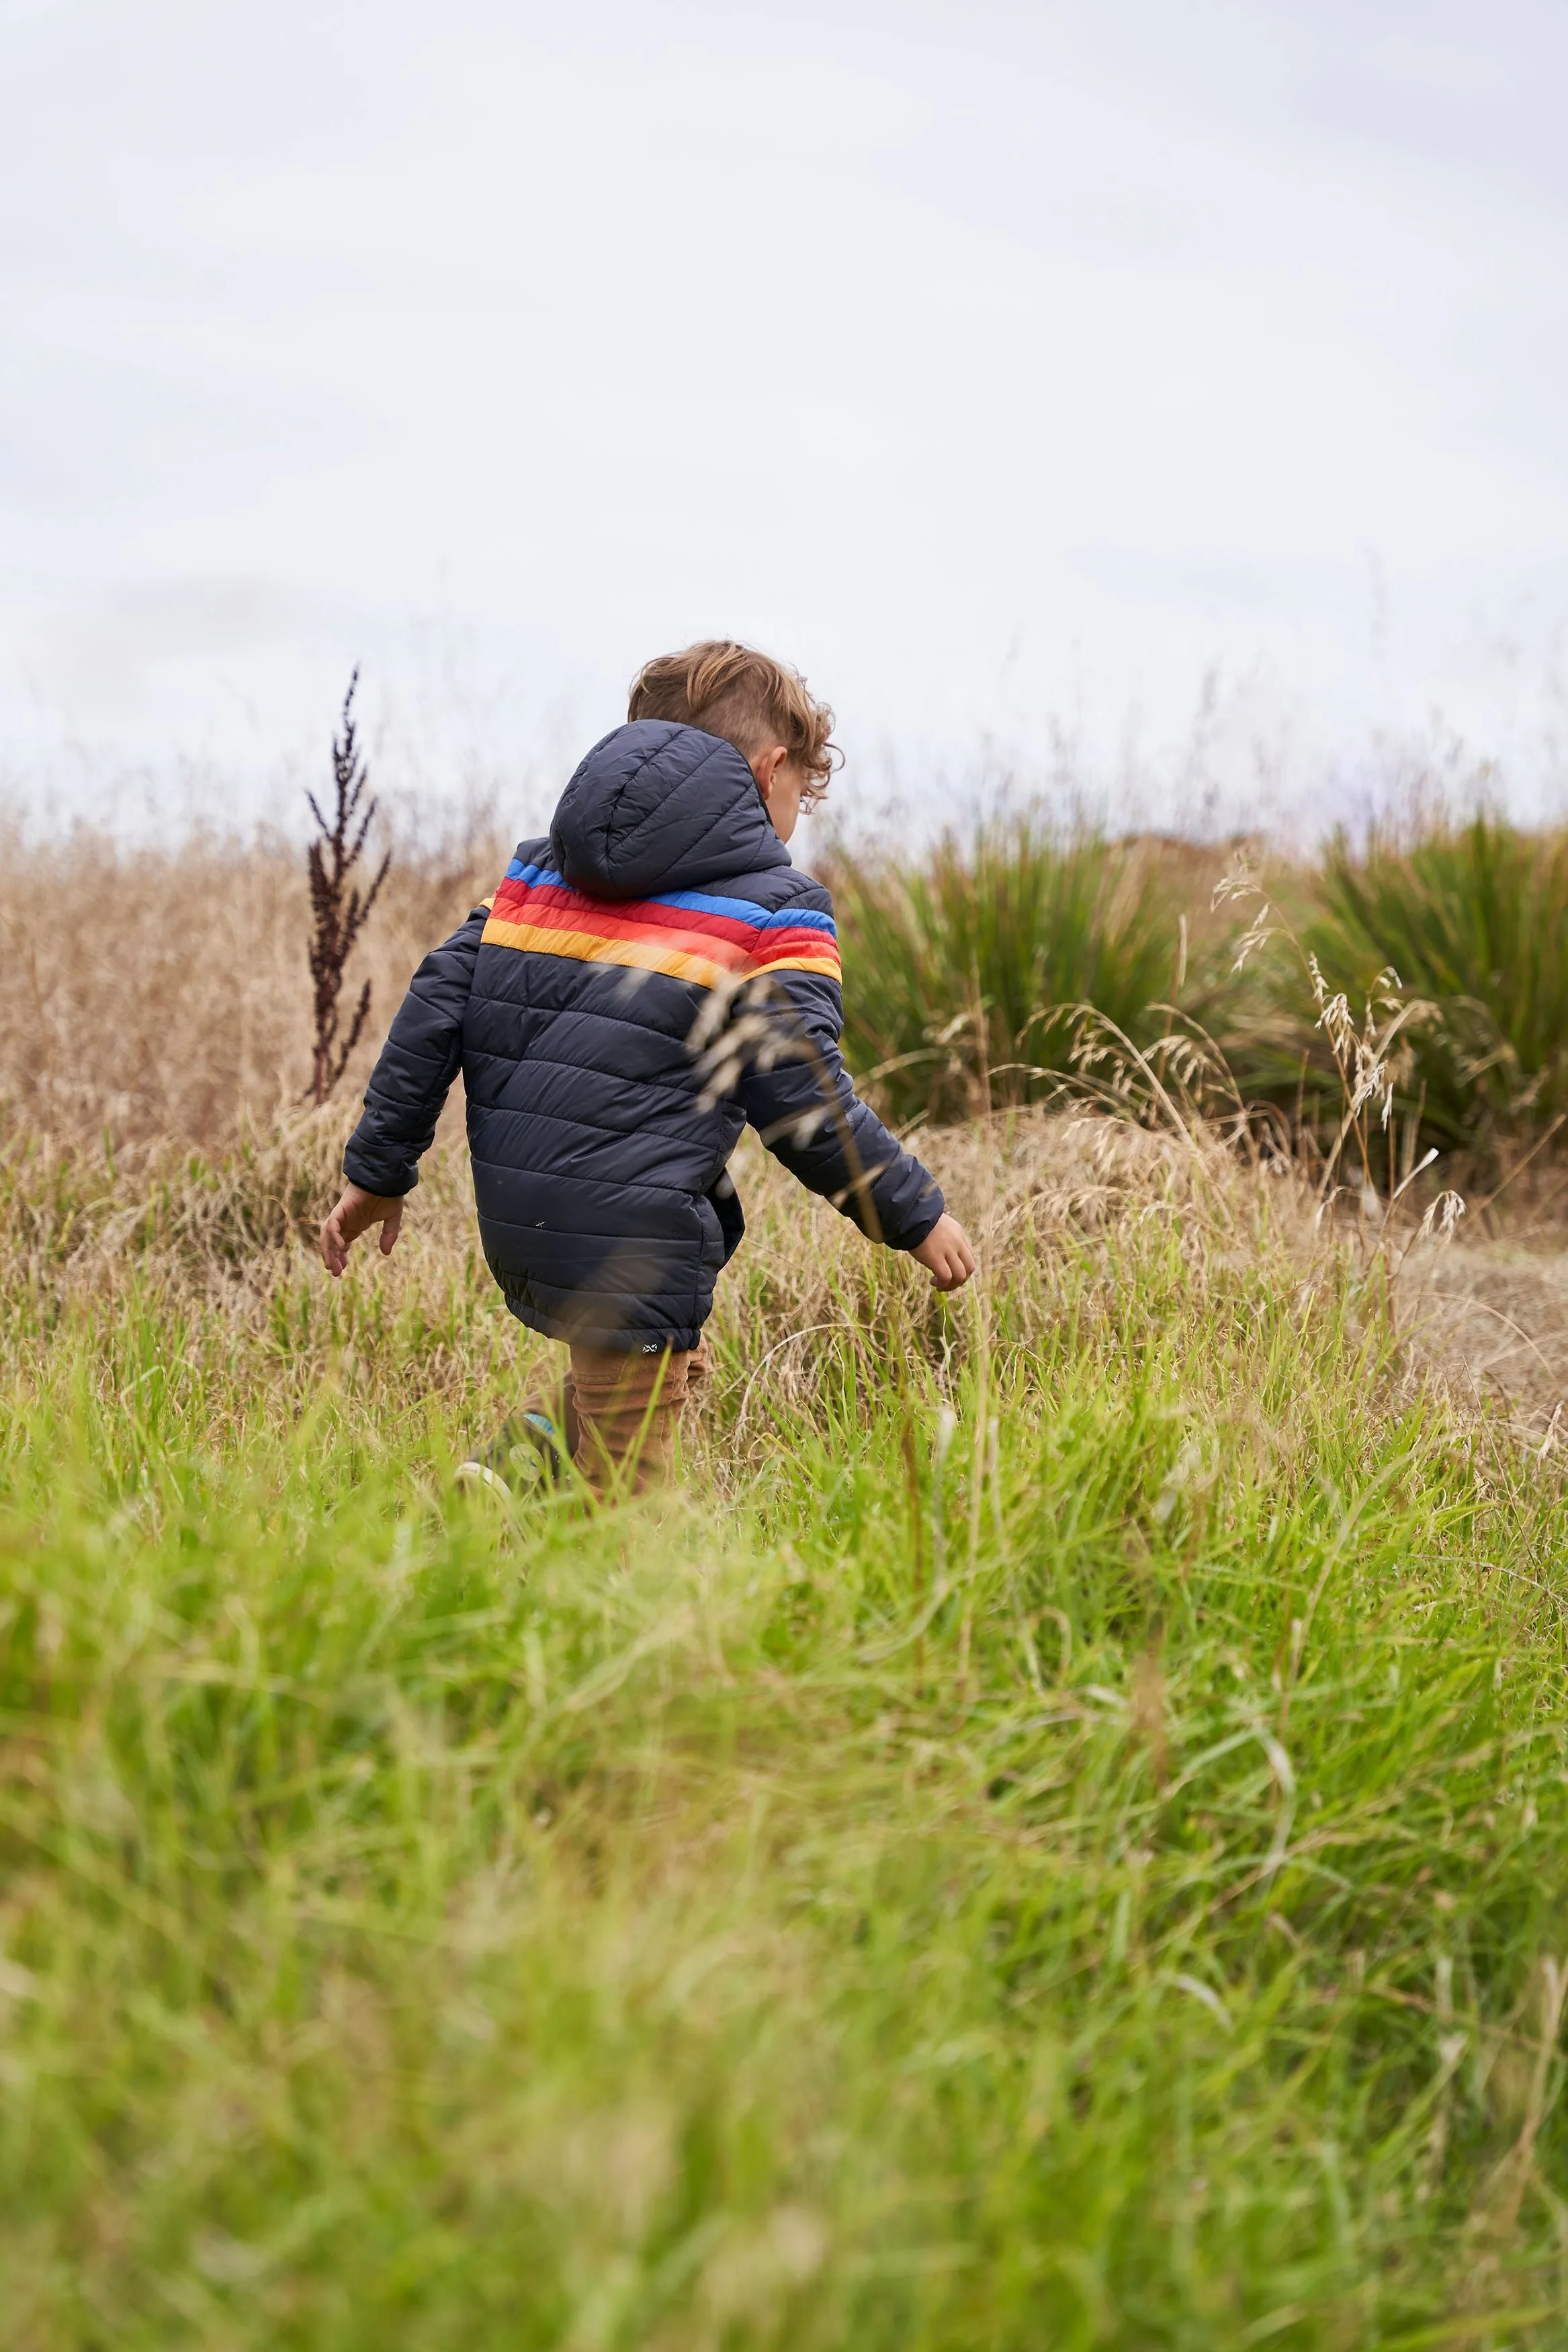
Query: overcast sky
1013	369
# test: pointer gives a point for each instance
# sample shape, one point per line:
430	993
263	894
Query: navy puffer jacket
643	984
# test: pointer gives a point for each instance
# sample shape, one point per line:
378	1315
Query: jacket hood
657	806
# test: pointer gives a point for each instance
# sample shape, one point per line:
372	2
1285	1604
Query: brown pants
622	1408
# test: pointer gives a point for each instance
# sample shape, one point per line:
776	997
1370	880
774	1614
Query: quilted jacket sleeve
416	1067
797	1093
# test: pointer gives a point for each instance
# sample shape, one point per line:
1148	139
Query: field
1056	1832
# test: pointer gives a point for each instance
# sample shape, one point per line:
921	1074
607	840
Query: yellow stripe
830	964
588	947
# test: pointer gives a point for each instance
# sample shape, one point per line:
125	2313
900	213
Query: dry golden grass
1495	1315
161	996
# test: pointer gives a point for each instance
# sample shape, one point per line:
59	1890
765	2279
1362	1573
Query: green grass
963	968
1474	919
1060	1837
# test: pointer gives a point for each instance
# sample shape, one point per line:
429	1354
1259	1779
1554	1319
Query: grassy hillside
1057	1835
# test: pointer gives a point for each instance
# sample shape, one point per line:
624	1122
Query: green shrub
1474	919
956	964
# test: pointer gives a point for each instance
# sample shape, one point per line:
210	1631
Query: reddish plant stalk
338	908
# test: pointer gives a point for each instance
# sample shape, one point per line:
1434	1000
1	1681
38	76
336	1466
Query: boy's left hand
946	1254
354	1215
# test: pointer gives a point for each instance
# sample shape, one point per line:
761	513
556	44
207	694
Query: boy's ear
766	766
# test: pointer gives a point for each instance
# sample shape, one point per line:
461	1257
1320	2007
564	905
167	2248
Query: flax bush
1474	919
963	968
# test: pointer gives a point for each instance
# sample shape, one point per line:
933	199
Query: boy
663	909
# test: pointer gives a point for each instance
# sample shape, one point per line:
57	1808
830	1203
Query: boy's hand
355	1212
946	1254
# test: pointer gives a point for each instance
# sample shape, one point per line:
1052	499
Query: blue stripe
741	910
696	902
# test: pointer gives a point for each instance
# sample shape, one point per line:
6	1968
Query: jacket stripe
575	911
729	943
697	902
684	933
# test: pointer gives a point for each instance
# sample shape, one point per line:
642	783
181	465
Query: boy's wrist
383	1191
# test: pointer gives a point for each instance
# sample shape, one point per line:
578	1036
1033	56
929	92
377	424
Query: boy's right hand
946	1254
354	1215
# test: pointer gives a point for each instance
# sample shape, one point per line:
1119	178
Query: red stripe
776	944
594	921
533	899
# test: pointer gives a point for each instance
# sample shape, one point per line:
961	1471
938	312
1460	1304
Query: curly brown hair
751	700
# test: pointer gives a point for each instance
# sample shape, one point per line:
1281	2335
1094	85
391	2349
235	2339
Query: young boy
661	913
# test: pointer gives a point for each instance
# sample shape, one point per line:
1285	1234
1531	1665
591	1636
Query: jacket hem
571	1328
